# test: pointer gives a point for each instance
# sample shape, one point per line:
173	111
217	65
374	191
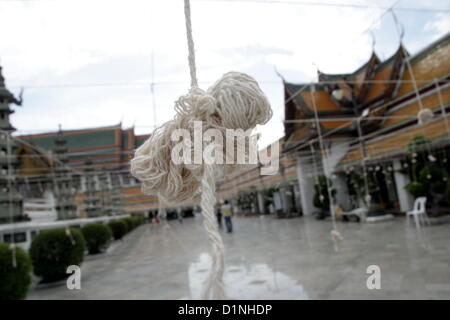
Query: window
126	179
18	237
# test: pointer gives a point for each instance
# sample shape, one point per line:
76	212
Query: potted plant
321	198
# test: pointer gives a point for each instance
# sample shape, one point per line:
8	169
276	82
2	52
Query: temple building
11	202
98	159
357	138
66	182
372	148
251	192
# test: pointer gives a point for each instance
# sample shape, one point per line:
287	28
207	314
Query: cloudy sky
88	63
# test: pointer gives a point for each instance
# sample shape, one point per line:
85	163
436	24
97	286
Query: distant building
11	202
101	157
382	95
253	193
367	120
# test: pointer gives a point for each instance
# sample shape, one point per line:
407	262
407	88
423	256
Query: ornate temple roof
110	145
342	96
382	93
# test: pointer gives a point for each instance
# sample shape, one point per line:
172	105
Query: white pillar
305	172
297	197
51	203
342	196
336	152
405	199
262	210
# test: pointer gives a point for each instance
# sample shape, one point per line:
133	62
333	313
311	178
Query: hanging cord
367	196
152	90
401	34
316	174
336	236
235	101
190	41
214	288
424	115
162	211
10	198
441	102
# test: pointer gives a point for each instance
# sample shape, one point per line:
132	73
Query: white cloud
110	41
440	26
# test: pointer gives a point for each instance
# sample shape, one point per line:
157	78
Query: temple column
405	199
342	196
297	198
306	185
262	209
284	200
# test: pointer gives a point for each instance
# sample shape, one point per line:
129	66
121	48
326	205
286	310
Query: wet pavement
268	258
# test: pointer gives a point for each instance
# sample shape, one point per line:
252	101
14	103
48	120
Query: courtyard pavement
268	258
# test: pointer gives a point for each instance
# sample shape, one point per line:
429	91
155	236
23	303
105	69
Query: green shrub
14	281
133	222
417	189
430	174
418	144
97	237
321	189
52	251
137	221
118	228
129	222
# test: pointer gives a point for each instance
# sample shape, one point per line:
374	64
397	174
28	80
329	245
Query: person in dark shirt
227	213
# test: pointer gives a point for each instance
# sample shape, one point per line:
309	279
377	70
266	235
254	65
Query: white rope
367	196
234	102
441	102
190	41
425	114
214	288
335	235
10	199
313	157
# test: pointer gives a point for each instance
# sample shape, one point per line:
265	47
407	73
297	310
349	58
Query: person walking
227	213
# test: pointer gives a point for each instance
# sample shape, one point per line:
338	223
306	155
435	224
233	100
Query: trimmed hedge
132	222
97	237
129	222
14	281
52	251
118	228
137	221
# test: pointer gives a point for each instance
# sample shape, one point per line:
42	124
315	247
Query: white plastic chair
419	212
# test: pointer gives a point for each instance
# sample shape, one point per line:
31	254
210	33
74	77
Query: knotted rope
234	102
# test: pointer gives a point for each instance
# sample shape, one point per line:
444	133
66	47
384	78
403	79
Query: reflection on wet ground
268	258
257	281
